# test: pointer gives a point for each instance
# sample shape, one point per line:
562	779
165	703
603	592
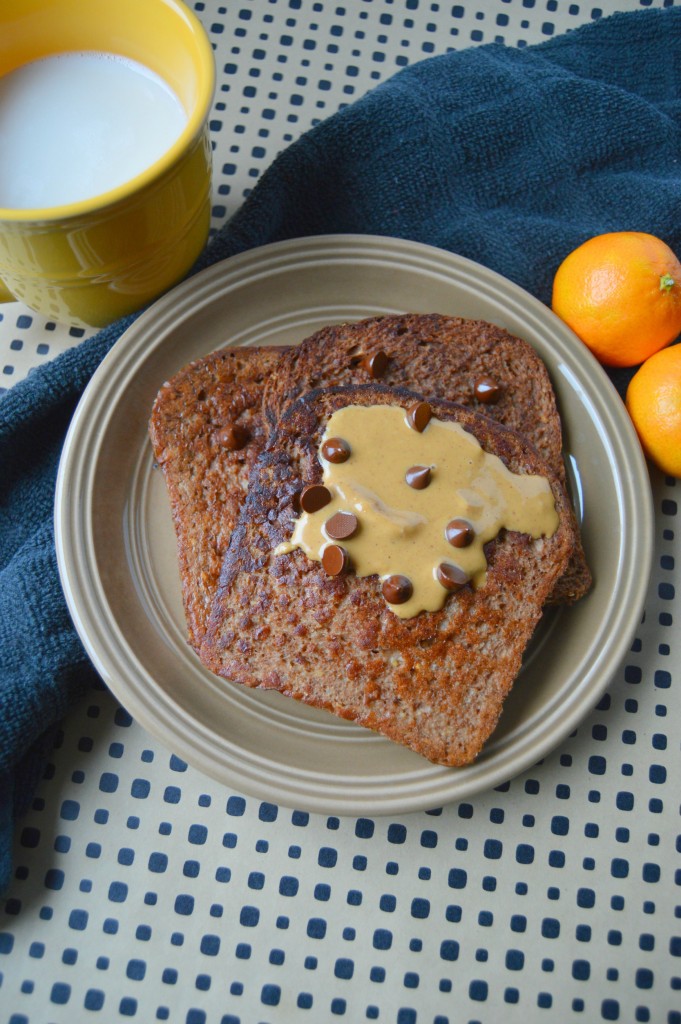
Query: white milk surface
75	125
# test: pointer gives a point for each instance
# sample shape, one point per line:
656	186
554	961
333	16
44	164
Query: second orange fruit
654	404
621	294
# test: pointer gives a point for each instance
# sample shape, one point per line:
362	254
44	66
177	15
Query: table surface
145	890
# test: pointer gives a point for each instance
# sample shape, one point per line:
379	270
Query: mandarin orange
654	404
621	294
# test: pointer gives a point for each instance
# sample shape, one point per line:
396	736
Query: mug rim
191	131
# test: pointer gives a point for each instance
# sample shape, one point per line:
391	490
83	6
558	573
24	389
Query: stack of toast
237	436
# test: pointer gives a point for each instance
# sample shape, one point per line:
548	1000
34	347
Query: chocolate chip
232	437
487	390
376	364
418	477
418	416
313	497
459	533
335	560
341	525
397	589
336	450
451	577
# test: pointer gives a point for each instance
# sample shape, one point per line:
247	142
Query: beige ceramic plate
116	545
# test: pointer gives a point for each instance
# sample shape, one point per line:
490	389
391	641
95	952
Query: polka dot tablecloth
145	891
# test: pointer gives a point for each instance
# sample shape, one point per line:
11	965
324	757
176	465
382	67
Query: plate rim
163	727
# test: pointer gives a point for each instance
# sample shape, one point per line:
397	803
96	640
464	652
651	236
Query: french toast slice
439	357
206	430
435	682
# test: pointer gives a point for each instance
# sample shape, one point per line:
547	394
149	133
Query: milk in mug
75	125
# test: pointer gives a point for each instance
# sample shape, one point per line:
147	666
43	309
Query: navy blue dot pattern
145	891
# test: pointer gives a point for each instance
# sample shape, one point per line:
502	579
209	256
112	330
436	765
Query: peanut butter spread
413	500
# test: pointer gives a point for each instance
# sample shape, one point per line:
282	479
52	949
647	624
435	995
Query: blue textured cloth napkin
510	157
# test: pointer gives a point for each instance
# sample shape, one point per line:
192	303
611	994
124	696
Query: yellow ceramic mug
89	262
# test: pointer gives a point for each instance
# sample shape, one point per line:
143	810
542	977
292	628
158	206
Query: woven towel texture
510	157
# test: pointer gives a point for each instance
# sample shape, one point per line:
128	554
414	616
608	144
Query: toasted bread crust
206	481
435	683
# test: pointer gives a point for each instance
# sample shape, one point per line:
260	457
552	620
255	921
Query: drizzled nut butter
430	539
